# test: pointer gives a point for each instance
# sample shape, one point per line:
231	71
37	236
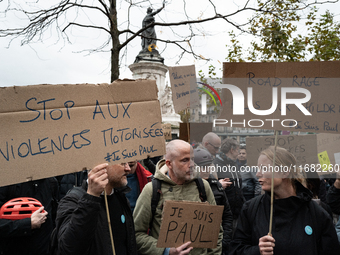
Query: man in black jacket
204	160
250	185
228	172
82	224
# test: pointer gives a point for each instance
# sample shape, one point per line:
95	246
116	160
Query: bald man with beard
176	172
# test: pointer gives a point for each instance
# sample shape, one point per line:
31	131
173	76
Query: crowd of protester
73	218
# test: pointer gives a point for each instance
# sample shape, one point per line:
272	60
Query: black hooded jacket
227	217
300	226
333	199
82	224
233	192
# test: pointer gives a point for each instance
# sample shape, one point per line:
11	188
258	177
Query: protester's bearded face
264	173
117	174
182	164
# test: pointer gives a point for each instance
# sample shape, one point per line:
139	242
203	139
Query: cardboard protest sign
184	87
329	146
49	130
291	96
337	158
190	221
167	131
193	132
184	129
198	130
324	160
305	148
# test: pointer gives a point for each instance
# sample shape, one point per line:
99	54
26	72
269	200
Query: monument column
150	65
149	69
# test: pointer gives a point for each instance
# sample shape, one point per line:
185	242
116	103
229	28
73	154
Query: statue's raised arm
149	35
157	11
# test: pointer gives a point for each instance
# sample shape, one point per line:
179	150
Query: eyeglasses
216	148
125	164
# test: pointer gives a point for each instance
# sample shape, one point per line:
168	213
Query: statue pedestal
150	70
156	70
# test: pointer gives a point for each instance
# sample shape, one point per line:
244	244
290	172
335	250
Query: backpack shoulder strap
201	189
156	194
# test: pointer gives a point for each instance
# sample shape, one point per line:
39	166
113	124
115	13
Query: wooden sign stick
188	125
272	189
109	221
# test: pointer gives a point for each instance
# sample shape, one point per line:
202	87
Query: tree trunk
114	65
115	41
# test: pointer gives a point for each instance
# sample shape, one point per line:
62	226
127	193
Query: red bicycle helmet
19	208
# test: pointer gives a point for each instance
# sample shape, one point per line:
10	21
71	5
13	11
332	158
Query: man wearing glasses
82	224
212	143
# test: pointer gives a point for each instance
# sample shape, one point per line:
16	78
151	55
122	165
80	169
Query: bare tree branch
87	26
65	14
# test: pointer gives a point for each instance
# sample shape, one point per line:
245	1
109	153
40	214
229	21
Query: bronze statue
149	34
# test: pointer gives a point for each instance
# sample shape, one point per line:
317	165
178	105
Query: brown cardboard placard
184	87
50	130
185	221
320	79
167	131
198	130
305	148
184	131
331	145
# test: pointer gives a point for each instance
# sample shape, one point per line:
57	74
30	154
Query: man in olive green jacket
176	172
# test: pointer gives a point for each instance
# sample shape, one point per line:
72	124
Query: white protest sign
184	87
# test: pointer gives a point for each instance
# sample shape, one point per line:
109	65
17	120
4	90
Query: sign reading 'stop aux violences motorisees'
294	96
50	130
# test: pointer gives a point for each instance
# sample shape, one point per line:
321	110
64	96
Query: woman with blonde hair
300	226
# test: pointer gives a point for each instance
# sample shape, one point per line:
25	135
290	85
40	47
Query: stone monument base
150	65
146	55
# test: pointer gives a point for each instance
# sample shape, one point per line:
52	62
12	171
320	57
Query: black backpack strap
201	189
156	194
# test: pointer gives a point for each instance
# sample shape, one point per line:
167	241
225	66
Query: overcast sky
58	63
